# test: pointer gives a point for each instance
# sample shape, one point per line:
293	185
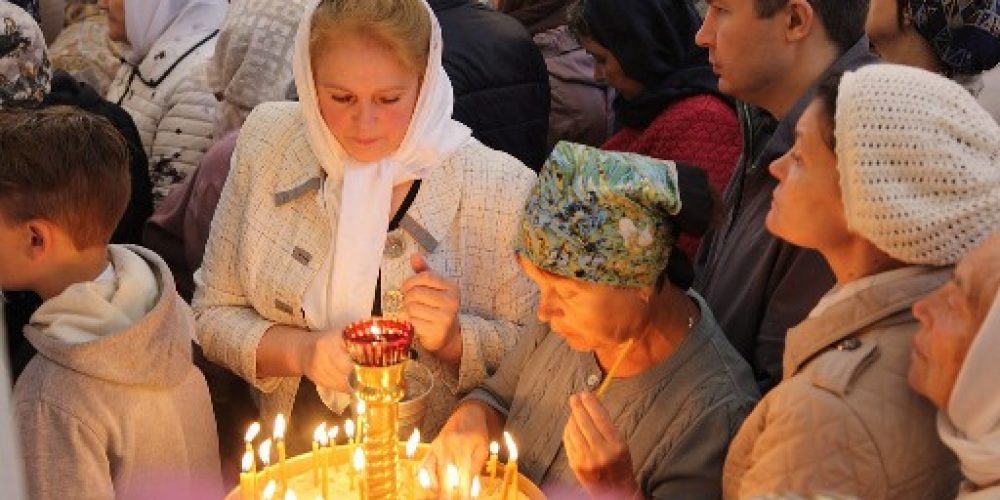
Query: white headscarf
146	21
357	196
971	424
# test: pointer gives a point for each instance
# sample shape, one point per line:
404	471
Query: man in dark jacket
500	80
771	54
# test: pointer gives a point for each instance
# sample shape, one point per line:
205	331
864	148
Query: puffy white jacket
168	96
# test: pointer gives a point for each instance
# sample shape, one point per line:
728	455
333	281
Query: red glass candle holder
379	342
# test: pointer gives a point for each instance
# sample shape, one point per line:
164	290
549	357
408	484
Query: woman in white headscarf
954	366
163	84
364	198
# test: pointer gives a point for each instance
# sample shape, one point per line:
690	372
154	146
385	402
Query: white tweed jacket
270	234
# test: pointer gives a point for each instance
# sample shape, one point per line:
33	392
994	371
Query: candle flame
270	489
361	407
349	429
265	451
247	461
424	478
320	434
511	447
279	427
451	477
290	495
252	432
359	459
411	444
494	447
333	434
476	488
376	331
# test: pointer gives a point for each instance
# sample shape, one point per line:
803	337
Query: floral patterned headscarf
25	72
965	34
602	217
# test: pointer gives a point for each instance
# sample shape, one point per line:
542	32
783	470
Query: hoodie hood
135	331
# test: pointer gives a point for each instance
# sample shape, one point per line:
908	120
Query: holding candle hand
431	303
322	356
596	451
463	442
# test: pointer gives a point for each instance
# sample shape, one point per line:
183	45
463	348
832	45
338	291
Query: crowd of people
778	220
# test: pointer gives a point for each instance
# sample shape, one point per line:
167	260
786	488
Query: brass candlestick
379	349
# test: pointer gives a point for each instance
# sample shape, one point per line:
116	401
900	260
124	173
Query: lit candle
361	420
290	495
269	490
476	488
332	435
248	438
491	466
279	439
510	470
359	469
424	478
248	490
411	452
265	458
451	480
318	436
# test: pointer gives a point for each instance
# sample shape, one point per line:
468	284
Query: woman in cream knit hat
894	176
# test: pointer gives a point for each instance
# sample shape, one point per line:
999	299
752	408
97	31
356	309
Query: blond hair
403	26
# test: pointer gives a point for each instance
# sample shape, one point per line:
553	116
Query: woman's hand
464	442
431	302
323	358
598	455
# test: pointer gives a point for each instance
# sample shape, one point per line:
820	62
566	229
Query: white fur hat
919	163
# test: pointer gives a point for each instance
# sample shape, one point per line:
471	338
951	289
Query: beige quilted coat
844	419
270	234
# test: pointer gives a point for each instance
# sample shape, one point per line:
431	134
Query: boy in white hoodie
112	405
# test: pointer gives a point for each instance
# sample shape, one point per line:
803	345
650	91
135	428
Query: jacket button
393	302
394	246
593	379
849	344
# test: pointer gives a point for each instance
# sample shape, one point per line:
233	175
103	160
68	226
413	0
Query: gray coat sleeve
63	457
498	390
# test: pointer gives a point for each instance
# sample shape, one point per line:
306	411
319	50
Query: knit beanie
919	163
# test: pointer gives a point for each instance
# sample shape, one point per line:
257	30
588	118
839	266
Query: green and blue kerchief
601	216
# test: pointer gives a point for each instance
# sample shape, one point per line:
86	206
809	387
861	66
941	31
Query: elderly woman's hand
431	302
323	358
597	453
464	442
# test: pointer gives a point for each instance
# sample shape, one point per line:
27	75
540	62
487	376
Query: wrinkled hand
431	303
597	453
463	441
324	359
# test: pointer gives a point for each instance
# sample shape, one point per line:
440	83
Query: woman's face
589	316
366	95
608	70
882	25
949	320
116	19
807	208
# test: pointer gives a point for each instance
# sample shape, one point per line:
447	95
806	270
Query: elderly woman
164	45
596	237
954	360
959	39
893	177
364	198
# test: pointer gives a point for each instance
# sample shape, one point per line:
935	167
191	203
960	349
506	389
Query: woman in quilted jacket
164	45
893	178
363	198
954	366
668	105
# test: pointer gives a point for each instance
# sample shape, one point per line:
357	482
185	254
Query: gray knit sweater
677	417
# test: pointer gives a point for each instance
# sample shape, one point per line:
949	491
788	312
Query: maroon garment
700	130
178	229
